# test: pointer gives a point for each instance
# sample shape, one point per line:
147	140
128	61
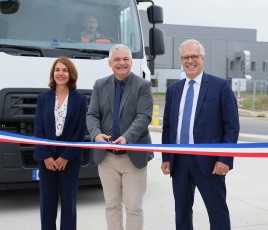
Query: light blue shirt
196	87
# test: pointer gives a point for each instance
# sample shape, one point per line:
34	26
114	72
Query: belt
117	152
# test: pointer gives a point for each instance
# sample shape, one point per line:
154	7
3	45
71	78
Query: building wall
165	76
221	47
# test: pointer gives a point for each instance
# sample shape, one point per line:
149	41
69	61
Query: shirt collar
197	79
124	82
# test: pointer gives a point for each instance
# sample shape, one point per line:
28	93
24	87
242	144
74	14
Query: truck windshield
91	25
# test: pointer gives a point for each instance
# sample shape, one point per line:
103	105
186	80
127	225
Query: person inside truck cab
90	32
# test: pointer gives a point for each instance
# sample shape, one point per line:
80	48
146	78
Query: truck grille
28	160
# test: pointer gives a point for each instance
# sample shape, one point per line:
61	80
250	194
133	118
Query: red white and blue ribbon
222	149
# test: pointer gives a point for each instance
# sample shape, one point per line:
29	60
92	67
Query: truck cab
32	35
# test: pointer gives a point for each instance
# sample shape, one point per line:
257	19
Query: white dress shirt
196	87
60	115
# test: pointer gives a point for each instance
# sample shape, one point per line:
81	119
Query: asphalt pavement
247	197
247	187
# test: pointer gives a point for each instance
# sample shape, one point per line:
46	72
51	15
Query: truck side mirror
156	41
155	14
9	7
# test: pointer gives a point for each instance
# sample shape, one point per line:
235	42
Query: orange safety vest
97	40
85	39
103	40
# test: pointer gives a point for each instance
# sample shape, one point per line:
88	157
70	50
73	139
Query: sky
247	14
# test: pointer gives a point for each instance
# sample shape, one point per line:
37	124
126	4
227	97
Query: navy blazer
74	127
216	119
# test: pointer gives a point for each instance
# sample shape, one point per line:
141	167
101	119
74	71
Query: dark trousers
52	185
186	176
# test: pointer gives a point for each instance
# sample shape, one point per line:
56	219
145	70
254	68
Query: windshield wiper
26	48
92	52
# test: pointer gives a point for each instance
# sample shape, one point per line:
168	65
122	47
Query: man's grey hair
119	47
192	41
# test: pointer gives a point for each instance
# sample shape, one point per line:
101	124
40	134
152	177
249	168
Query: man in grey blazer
123	174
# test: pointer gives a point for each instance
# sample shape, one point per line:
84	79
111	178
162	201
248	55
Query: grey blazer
135	115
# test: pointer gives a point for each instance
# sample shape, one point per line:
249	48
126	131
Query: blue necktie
117	99
187	111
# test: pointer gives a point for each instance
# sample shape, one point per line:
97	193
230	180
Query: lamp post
266	77
253	95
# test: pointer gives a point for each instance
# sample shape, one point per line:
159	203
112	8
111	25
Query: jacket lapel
202	93
126	92
176	102
110	89
70	108
51	108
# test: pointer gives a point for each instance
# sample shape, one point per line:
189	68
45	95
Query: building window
231	65
264	66
253	66
242	66
154	82
171	81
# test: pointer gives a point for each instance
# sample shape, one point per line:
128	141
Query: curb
242	136
252	137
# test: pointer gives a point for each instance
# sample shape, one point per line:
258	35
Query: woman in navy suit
60	115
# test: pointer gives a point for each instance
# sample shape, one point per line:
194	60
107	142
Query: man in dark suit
212	117
120	111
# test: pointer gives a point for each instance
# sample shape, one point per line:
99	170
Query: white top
196	87
60	115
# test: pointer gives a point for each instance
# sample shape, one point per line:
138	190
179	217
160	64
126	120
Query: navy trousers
55	184
186	176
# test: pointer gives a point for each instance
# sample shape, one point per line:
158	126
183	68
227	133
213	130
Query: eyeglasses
187	58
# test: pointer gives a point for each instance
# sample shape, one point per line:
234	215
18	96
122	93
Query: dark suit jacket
135	115
216	119
74	126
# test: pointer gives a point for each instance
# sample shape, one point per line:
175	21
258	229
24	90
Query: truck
32	35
